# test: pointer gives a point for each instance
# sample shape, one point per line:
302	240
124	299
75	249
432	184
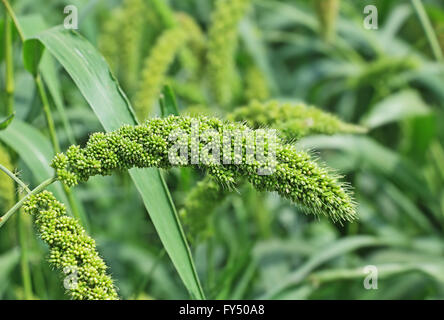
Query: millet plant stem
17	206
56	145
24	257
10	88
9	81
15	178
428	29
14	19
48	115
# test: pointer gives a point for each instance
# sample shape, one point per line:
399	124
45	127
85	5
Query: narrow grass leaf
405	104
92	76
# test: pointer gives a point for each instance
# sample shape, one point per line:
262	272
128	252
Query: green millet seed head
295	176
197	39
71	249
131	30
109	44
199	202
256	85
192	56
155	69
380	72
222	42
293	120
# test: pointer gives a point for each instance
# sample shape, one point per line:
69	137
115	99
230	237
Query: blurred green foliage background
260	246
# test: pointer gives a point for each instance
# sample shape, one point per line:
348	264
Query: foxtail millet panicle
155	69
296	177
293	120
71	249
222	43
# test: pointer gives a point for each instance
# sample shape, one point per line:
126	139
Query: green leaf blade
92	76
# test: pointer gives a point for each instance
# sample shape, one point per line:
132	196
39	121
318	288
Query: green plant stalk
24	257
438	156
428	29
327	11
48	115
22	237
18	205
9	81
15	178
10	88
14	19
39	284
56	146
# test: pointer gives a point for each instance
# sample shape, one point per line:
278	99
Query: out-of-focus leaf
435	270
92	76
367	153
336	249
396	19
145	263
404	104
409	208
256	48
418	133
433	82
35	150
8	261
245	280
282	14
